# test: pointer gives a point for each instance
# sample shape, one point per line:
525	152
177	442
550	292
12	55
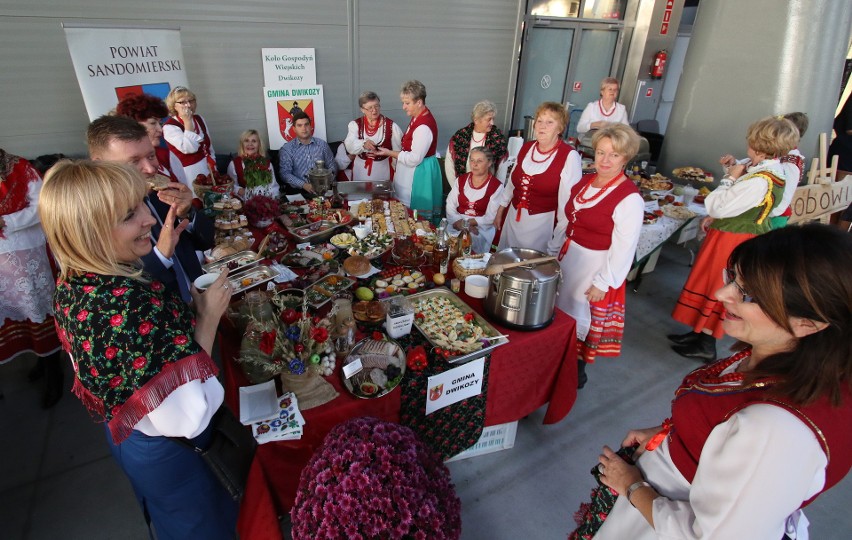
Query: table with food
355	308
671	208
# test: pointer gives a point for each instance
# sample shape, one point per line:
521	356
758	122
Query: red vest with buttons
479	207
425	118
699	407
591	227
539	193
203	149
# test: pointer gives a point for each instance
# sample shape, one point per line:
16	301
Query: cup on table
205	280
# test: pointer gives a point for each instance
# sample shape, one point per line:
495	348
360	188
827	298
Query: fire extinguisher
658	67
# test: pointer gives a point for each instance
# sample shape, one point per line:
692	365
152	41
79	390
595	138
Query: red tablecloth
533	369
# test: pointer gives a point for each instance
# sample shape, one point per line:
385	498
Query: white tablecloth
655	234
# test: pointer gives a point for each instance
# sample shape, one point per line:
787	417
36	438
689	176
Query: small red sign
578	86
667	15
664	29
669	4
649	92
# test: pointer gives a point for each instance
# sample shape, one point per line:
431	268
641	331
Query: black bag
230	452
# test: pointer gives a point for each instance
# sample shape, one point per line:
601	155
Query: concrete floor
57	479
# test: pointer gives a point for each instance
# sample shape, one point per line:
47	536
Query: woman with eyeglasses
596	235
149	111
754	438
187	137
475	197
367	134
738	209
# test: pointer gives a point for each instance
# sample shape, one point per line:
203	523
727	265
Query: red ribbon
657	439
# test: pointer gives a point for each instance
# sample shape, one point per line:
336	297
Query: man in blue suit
180	230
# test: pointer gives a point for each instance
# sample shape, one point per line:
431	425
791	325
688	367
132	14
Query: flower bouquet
295	347
261	211
256	171
375	479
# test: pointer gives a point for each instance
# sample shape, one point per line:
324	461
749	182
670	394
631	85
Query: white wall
462	50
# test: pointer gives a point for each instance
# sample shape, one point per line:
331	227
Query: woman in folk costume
251	170
737	210
604	110
598	230
187	137
480	132
417	180
149	111
141	356
26	279
541	183
369	133
476	198
752	439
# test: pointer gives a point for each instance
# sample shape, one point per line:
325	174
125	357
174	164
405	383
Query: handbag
591	515
230	452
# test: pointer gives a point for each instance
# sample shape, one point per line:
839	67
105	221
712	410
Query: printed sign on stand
283	102
283	67
454	385
111	63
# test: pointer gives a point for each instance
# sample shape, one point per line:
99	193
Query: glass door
543	67
564	61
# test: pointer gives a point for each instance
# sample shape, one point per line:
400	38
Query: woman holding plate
366	135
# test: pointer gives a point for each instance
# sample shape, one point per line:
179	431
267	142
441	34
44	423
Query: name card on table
454	385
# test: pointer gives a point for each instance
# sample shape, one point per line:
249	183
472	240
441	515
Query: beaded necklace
581	199
479	141
545	155
373	131
600	107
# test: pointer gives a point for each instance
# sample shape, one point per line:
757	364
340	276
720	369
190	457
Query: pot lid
537	272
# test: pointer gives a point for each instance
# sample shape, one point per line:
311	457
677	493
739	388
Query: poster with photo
282	102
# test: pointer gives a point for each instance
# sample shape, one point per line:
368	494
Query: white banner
454	385
289	66
113	62
282	102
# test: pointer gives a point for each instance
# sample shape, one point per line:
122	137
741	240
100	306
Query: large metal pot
523	297
320	178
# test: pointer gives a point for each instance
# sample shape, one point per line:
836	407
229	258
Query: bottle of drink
465	240
442	248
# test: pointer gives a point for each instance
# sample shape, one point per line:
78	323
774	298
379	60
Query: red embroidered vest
238	169
163	158
538	193
699	407
425	118
479	207
591	227
203	149
387	138
13	188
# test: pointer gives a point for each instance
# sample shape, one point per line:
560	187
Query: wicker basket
462	273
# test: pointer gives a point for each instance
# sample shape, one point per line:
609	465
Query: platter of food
324	290
382	368
369	311
314	274
251	277
243	259
309	257
404	281
450	324
318	231
656	182
372	246
651	217
695	174
406	253
343	240
274	244
677	212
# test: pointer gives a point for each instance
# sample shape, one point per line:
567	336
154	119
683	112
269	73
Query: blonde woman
141	357
251	170
187	137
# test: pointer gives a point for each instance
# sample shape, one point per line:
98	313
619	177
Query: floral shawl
460	146
131	344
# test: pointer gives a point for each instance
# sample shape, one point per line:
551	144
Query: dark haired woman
753	438
149	111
